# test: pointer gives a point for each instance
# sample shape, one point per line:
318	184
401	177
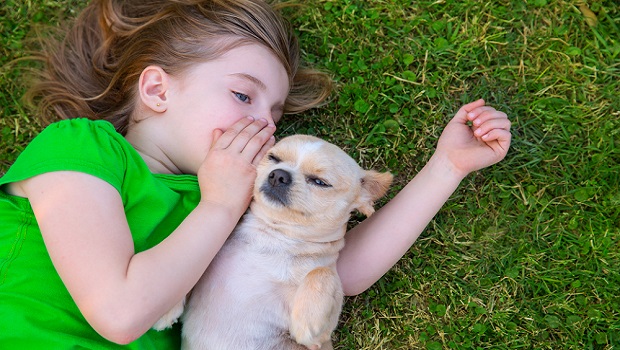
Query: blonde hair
93	71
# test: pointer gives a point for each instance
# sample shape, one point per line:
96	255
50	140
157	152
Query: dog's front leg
171	317
316	308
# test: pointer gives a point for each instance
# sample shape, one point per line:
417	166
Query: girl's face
246	81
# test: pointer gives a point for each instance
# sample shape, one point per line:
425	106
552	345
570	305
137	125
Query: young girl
110	216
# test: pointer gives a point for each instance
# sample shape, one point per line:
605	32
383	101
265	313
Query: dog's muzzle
277	186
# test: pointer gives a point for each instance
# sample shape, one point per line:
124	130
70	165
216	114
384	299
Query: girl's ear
153	87
374	186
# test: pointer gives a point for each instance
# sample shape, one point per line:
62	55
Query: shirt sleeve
91	147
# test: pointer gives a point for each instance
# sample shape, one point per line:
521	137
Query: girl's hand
485	142
227	175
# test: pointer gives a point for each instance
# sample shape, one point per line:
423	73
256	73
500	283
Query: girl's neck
154	157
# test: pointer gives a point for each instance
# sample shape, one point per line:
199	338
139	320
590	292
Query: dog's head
312	185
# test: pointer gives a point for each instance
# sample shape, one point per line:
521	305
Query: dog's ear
374	186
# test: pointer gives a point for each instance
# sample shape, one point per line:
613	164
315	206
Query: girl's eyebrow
260	84
251	78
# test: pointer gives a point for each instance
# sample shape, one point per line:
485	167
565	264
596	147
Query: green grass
526	254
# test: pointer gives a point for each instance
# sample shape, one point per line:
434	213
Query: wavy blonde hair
93	70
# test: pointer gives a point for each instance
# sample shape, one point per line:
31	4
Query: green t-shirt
36	310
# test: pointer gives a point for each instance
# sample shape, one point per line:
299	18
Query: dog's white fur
274	284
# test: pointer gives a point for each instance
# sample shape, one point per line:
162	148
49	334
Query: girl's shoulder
77	130
80	140
90	146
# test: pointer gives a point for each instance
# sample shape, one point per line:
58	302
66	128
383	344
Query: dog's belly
240	303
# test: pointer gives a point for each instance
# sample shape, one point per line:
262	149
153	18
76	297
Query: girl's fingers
491	124
246	137
473	105
499	139
483	112
255	145
500	135
227	138
461	115
252	137
217	133
481	116
263	151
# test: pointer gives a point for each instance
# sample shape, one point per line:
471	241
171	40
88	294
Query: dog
274	284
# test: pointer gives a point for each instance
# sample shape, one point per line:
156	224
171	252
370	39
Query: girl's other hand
477	136
227	175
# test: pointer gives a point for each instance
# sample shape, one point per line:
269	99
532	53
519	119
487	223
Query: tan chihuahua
274	284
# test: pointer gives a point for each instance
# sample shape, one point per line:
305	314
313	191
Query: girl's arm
377	243
121	293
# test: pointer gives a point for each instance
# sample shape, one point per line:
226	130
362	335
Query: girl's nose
269	116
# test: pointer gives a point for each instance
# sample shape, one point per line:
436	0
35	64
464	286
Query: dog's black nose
278	186
279	178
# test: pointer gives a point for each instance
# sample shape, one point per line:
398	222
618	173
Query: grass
526	254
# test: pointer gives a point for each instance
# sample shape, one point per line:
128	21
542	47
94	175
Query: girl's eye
242	97
318	182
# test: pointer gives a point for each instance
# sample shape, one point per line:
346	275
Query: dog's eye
318	182
274	158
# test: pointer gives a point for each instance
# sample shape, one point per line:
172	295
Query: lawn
526	254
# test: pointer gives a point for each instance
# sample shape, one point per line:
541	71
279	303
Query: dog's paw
316	308
170	318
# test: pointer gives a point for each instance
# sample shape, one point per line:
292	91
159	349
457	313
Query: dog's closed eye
317	181
274	159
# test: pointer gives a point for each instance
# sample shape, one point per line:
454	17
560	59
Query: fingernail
250	117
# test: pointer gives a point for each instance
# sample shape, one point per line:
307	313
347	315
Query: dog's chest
267	258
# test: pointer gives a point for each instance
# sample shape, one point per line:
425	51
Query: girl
110	216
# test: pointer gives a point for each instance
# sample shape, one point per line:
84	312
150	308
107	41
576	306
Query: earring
158	105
